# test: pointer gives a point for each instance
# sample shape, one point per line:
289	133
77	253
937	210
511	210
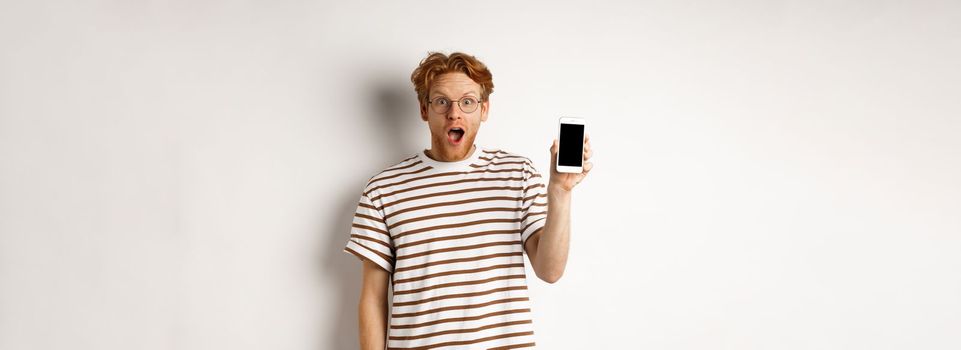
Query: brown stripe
464	224
442	204
461	295
456	284
368	206
529	214
460	307
503	156
362	257
514	346
454	249
464	330
447	238
466	190
458	272
438	184
458	213
399	167
371	239
487	162
466	342
539	195
386	257
369	228
532	224
500	152
501	163
451	261
418	171
534	234
368	217
458	319
528	188
448	174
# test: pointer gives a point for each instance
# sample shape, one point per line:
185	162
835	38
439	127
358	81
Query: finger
553	157
587	137
588	154
587	167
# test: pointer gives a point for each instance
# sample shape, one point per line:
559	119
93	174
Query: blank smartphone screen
571	145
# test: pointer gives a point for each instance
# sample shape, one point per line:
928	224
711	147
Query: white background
768	174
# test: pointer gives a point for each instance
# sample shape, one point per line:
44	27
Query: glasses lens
441	105
468	105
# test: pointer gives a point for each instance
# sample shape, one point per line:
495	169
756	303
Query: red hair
438	63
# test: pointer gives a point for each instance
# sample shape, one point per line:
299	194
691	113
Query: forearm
373	325
554	241
372	310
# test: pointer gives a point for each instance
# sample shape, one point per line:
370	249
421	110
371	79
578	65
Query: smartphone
570	152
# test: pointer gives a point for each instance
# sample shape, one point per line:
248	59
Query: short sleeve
369	238
534	203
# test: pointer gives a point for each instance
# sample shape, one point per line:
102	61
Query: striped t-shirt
452	236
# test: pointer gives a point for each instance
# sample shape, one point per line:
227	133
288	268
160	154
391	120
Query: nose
454	112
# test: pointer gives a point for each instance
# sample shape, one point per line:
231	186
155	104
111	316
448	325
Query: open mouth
455	135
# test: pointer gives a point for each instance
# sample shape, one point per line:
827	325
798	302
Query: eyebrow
435	92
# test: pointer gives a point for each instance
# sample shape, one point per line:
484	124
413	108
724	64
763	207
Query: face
447	143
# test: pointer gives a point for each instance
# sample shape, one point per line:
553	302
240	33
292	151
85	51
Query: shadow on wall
394	108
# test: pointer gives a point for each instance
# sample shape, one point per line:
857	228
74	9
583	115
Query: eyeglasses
441	105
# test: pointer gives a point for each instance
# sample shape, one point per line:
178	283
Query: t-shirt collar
463	164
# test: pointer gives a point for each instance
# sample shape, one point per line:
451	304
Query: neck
440	156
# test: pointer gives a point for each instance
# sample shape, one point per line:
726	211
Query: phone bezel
557	159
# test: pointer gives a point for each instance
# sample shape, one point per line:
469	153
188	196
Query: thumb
553	156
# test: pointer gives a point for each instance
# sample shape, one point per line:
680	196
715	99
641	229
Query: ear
423	111
485	107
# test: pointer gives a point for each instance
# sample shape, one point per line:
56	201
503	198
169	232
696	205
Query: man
449	226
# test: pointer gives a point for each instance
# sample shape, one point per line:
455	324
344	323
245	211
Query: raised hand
567	181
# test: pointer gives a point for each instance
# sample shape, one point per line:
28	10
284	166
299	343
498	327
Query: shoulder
501	158
500	155
410	165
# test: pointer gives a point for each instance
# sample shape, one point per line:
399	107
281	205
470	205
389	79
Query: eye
442	101
469	101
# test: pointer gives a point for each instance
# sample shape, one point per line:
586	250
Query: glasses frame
459	105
